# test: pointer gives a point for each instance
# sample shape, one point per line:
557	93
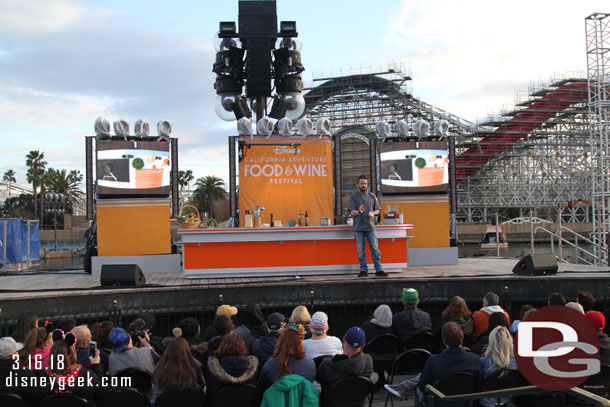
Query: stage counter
286	251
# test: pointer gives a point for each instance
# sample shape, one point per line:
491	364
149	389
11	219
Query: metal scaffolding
531	159
598	74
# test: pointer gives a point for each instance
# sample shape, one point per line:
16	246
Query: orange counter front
281	251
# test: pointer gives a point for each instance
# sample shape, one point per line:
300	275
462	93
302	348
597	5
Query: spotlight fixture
284	127
322	127
252	58
164	129
305	127
244	126
421	128
121	130
441	127
102	128
141	129
264	127
402	128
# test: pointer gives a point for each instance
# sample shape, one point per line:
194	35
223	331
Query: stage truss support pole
598	78
233	178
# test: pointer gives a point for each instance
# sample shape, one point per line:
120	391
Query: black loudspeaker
536	265
122	275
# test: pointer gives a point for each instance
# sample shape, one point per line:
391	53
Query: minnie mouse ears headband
48	325
70	338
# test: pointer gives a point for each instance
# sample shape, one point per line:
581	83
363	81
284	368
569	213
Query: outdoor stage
74	293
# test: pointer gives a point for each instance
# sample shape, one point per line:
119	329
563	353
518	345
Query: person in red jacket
480	318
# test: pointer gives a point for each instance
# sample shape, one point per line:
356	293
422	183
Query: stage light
240	108
288	28
244	126
305	127
441	127
227	28
322	127
401	128
284	127
421	128
264	127
382	129
164	129
141	129
121	130
102	128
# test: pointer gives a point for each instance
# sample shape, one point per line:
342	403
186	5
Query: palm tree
184	178
36	171
9	177
207	190
66	183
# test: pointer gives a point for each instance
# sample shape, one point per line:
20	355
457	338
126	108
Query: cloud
36	17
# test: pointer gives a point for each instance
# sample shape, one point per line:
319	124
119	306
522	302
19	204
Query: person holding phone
83	349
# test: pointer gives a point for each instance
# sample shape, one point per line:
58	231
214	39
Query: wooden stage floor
22	285
66	291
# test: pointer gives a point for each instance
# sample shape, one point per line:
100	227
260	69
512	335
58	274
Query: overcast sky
63	63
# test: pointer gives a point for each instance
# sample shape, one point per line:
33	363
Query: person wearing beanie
320	343
189	329
125	356
226	310
264	347
598	321
411	321
9	376
253	326
352	362
480	318
379	324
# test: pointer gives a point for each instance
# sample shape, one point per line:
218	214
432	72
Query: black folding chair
12	400
346	392
319	359
140	380
424	340
457	383
63	400
184	398
383	351
243	395
409	362
120	396
505	378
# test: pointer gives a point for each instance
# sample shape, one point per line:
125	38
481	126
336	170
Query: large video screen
412	167
126	168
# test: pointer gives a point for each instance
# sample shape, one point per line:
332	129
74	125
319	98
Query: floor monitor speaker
536	265
122	275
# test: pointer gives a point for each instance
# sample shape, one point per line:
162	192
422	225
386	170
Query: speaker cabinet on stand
536	265
122	275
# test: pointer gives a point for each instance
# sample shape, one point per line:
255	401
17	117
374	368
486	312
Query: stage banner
286	175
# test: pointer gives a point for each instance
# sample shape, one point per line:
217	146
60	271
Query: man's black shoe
381	274
363	274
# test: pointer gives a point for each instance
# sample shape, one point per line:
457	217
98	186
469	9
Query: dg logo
556	348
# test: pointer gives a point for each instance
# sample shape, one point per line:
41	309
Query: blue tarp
17	240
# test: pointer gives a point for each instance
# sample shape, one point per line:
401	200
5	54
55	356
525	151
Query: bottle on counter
271	221
306	219
300	218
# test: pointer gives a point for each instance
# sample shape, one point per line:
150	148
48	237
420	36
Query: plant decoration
188	218
212	223
420	162
298	328
137	163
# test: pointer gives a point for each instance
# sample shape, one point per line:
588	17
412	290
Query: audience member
100	332
480	318
457	311
25	323
69	376
291	390
83	337
288	358
379	324
189	329
36	349
125	356
11	373
454	358
598	321
300	315
150	323
353	362
222	326
224	309
230	365
556	299
576	306
499	355
66	325
253	326
495	319
320	343
524	308
177	369
412	320
587	300
264	347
